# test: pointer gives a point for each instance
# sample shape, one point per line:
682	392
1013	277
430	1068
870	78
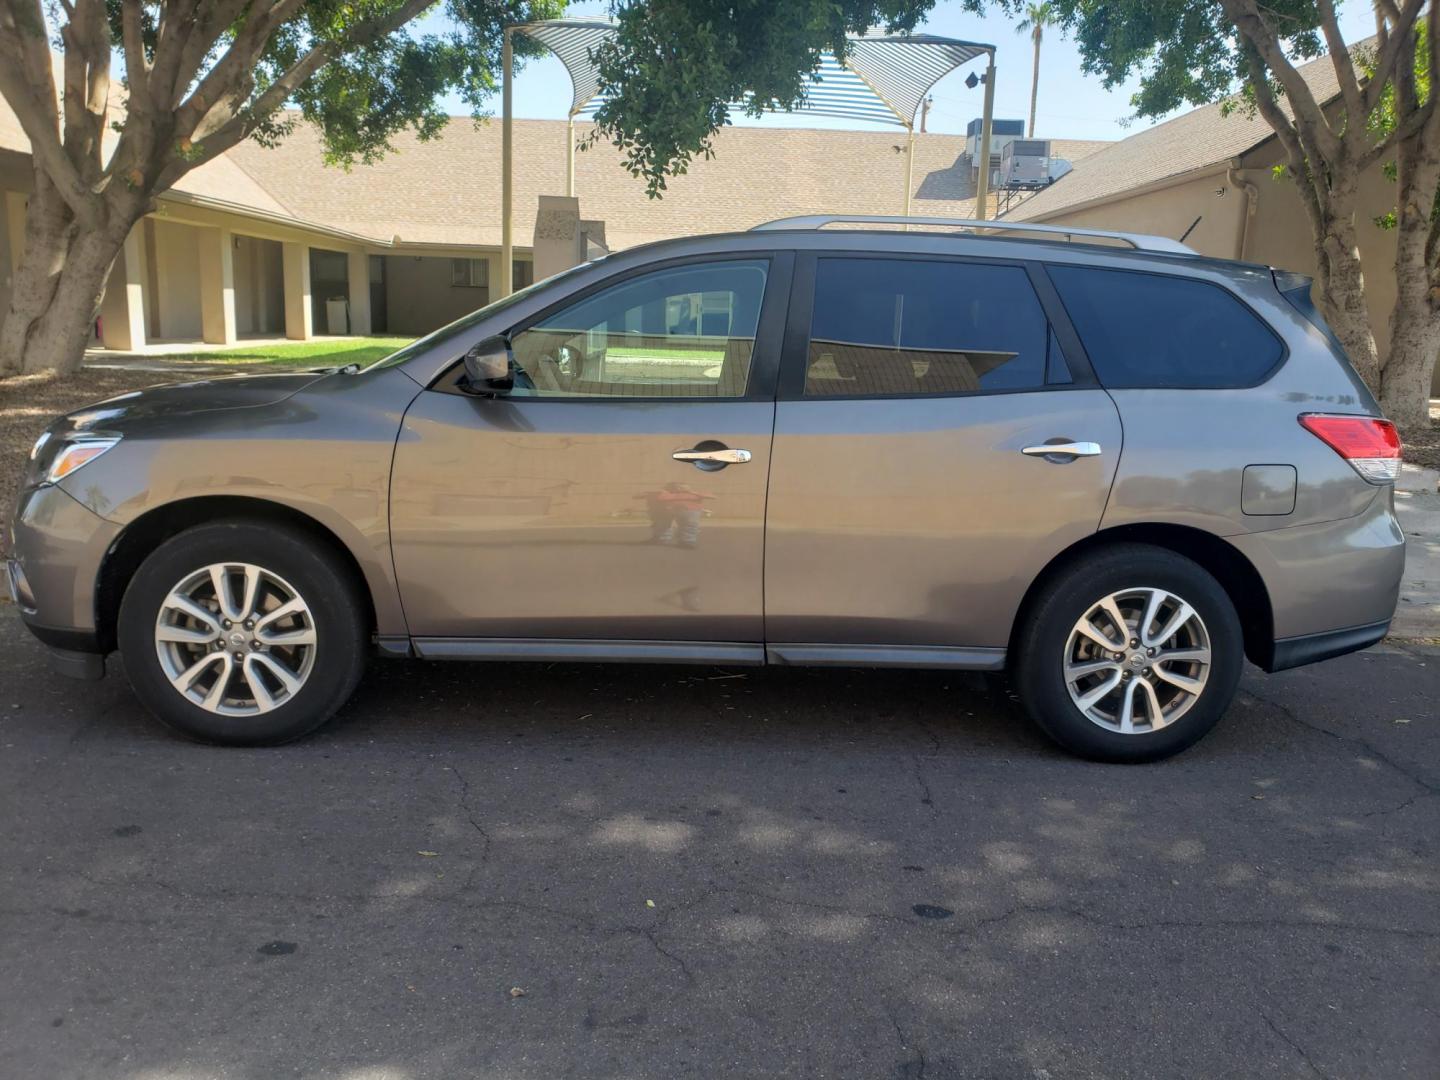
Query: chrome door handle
1063	449
713	457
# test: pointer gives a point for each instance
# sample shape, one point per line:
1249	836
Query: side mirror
489	367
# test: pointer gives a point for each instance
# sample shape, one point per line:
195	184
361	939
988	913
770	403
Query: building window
522	273
470	273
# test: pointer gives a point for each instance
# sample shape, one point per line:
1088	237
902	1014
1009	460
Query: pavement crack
1379	755
927	797
675	958
1294	1046
470	814
912	1068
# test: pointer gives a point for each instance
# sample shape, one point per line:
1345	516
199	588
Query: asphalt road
854	874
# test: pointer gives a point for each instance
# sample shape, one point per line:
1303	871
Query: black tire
339	620
1039	671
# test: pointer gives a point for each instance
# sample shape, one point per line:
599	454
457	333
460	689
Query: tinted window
1153	330
681	332
884	327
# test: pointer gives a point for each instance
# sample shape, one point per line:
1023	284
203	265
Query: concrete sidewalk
1417	504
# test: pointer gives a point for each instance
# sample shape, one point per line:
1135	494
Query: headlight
55	457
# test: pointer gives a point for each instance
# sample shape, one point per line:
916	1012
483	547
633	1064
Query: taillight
1369	444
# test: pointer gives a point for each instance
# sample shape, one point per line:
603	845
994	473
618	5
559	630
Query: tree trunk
59	284
1343	295
1034	84
1406	380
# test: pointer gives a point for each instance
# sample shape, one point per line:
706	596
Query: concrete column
122	312
358	277
217	286
299	324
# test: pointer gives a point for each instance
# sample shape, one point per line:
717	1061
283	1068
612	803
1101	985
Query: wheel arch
1222	560
159	524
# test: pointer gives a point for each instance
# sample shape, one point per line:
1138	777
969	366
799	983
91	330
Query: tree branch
137	64
1309	117
215	127
1392	45
1344	69
87	86
27	82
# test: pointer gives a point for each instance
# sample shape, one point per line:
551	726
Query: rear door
913	497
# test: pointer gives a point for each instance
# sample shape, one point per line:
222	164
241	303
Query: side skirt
798	654
902	656
583	650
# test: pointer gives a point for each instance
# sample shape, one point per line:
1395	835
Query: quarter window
893	327
682	332
1155	330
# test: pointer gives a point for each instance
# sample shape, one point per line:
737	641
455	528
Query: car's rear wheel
1132	653
242	634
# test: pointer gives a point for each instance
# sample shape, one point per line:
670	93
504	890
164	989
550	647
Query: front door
617	492
911	500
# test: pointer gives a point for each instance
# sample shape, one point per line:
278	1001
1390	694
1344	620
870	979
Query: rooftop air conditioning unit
1025	163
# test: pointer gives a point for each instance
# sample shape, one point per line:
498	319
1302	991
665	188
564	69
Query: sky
1072	105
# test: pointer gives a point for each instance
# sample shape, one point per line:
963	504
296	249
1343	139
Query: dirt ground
1424	450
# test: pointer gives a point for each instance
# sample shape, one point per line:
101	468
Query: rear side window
1151	330
905	327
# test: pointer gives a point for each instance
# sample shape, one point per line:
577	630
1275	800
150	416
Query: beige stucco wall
419	297
1169	211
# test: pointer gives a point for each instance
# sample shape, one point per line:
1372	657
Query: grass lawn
322	352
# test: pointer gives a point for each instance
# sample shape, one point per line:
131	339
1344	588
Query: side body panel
525	518
1332	575
324	452
1335	559
918	521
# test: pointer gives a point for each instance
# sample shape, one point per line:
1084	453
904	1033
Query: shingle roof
447	191
1204	137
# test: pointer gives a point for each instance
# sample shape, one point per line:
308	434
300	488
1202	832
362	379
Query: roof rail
1138	241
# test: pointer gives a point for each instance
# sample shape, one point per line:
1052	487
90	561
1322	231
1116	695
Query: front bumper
57	547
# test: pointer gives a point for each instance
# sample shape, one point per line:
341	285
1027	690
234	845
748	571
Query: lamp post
507	246
982	185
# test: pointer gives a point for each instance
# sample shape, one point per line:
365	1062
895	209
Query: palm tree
1037	17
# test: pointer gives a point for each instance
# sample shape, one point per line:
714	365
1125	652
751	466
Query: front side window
906	327
686	331
1155	330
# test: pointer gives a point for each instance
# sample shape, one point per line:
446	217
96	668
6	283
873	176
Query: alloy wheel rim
1137	660
235	639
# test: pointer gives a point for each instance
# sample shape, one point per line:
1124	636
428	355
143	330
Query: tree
200	76
1037	18
672	72
1191	52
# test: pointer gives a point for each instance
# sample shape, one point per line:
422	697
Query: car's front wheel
1132	653
243	634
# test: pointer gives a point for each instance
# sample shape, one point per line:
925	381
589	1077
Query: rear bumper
1312	648
1332	587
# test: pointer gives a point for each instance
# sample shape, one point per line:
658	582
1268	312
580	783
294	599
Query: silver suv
1098	460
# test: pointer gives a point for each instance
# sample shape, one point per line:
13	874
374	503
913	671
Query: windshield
460	325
